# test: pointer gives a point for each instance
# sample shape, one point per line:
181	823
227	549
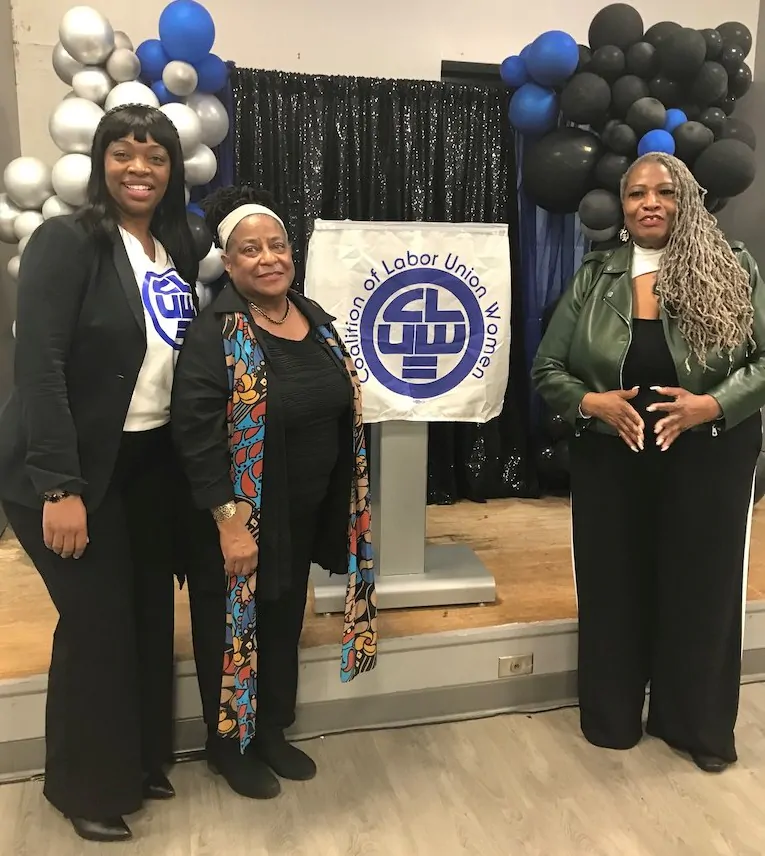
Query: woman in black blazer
86	465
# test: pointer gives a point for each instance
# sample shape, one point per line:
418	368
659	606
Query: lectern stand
410	573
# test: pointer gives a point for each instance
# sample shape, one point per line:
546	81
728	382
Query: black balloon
646	115
740	81
691	139
714	43
736	33
692	111
641	60
200	233
714	118
626	91
585	99
710	85
726	168
731	58
585	55
600	210
738	129
558	169
618	24
666	90
608	62
610	169
682	53
727	105
621	139
713	204
656	34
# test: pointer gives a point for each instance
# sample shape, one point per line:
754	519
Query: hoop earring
624	235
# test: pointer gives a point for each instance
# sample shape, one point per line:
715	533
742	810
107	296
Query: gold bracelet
224	512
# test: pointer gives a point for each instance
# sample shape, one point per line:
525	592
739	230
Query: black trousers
660	543
279	624
109	715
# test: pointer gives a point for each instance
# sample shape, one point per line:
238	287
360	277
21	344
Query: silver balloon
13	329
9	211
204	295
201	166
187	194
211	266
86	35
187	124
93	84
26	223
13	273
122	41
73	125
23	245
55	207
123	65
131	92
213	116
70	178
180	78
27	181
65	65
599	235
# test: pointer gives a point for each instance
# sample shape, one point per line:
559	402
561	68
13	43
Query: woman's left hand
686	411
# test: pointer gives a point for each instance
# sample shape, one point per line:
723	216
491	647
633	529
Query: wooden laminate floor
510	786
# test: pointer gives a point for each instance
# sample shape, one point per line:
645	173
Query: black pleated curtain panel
368	149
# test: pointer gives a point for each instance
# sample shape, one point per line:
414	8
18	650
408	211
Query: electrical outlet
514	667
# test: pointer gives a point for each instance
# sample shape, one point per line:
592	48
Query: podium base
454	576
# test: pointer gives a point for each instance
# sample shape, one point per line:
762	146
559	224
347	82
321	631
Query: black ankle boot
156	786
286	760
246	775
107	830
710	763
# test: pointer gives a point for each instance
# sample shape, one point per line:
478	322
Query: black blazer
80	344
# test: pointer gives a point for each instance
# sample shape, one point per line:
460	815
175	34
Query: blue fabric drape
224	153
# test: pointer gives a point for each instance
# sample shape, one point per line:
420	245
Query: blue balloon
553	58
675	118
524	54
534	109
164	94
212	73
657	141
193	208
153	59
186	30
513	72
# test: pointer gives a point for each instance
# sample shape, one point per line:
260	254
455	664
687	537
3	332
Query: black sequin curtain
368	149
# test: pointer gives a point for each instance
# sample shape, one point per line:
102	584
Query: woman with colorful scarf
267	420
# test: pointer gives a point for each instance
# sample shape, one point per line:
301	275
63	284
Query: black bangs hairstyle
219	204
169	224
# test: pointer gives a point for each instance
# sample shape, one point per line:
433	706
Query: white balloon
9	211
187	194
70	178
122	41
23	245
187	124
180	78
27	181
201	166
65	65
131	92
211	266
13	329
123	65
86	35
26	223
55	207
13	273
213	116
204	295
93	84
73	124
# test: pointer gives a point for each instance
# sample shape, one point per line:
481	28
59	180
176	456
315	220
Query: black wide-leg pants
109	716
660	543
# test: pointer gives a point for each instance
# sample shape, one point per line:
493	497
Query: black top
648	363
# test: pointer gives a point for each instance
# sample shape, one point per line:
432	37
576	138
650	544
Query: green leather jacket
590	332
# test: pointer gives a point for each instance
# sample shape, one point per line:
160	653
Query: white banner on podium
424	309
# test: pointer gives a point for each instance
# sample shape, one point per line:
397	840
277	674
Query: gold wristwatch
224	512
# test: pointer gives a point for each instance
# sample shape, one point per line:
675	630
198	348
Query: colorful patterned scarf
246	416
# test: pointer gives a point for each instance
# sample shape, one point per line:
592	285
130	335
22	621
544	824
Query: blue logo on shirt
170	306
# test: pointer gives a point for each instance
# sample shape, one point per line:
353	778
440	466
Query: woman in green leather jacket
656	354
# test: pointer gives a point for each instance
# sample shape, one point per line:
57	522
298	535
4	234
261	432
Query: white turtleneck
645	261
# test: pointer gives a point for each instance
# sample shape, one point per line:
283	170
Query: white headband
232	220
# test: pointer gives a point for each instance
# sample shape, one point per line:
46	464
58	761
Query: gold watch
224	512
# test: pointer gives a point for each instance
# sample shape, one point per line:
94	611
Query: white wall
388	38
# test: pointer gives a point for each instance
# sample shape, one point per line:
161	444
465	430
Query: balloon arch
176	73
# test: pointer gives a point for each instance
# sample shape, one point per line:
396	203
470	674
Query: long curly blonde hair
700	283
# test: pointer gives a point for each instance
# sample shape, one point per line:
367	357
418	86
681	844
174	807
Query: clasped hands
685	411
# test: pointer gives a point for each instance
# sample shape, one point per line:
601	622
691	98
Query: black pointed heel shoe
710	763
156	786
108	830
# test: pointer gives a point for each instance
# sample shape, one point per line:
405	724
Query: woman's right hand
65	527
614	409
239	548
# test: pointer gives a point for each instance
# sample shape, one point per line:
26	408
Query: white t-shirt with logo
168	310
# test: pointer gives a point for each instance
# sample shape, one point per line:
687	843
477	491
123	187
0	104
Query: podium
409	572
